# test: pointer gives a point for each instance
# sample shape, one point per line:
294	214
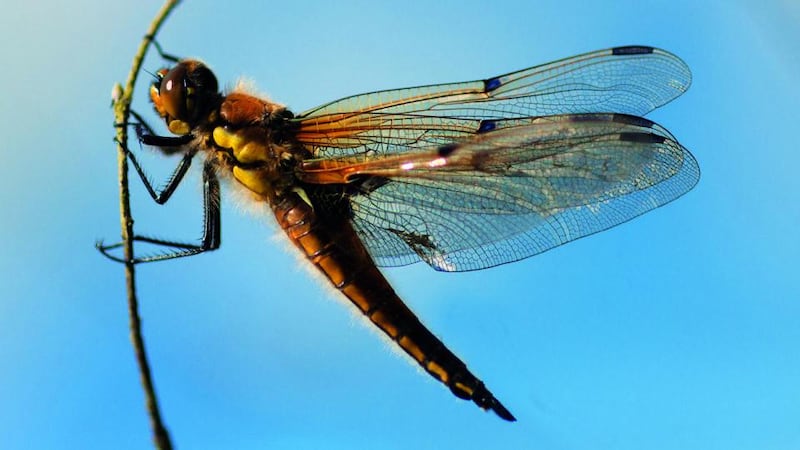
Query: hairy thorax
248	141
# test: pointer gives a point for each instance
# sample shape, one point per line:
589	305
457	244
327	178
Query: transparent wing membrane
525	187
629	80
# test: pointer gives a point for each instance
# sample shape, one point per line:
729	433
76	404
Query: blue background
678	330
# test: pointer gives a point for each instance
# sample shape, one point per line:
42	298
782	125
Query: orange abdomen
336	250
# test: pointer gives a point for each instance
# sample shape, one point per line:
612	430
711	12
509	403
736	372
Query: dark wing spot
491	84
420	243
632	50
446	150
486	126
586	117
632	120
644	138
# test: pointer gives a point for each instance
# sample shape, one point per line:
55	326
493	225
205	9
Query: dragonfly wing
629	80
521	189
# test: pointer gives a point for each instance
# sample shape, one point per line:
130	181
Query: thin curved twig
122	112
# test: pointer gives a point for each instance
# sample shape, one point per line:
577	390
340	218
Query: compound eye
185	95
173	93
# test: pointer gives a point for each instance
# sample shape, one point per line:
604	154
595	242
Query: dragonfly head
184	95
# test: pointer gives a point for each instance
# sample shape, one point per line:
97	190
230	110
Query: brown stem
122	104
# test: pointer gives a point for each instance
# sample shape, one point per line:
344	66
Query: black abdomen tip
502	412
483	398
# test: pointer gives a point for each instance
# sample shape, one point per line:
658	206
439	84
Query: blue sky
675	331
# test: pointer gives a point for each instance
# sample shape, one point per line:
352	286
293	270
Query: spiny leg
168	145
211	203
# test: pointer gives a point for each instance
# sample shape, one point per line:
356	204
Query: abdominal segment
335	249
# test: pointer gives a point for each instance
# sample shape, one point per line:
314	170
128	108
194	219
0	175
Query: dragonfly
463	176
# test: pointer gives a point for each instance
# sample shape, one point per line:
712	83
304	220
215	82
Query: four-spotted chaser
463	176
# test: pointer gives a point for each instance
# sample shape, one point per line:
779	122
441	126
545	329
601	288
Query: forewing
630	80
526	187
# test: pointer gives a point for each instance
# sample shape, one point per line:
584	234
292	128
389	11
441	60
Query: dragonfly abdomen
335	249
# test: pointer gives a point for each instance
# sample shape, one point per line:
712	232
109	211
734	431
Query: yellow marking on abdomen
336	251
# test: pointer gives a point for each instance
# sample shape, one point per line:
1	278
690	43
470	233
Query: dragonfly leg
166	144
164	55
211	219
163	195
